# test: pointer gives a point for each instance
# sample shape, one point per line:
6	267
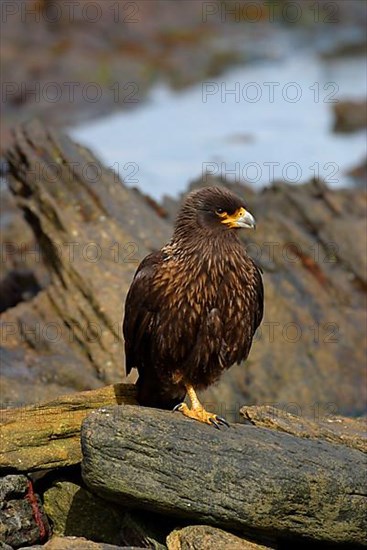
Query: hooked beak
241	218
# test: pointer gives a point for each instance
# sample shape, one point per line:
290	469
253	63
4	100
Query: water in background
275	124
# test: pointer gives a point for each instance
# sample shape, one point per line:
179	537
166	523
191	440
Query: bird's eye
219	211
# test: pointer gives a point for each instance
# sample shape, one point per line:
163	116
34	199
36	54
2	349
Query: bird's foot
200	414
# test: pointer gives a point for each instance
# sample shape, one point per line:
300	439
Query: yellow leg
197	411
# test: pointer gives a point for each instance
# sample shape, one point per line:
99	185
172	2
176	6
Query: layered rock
244	478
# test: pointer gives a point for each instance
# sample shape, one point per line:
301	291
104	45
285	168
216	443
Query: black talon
222	421
214	423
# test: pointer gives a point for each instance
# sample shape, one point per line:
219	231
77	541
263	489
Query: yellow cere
232	219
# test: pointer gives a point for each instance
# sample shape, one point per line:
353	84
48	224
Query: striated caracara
193	307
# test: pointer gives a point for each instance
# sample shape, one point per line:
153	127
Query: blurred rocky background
70	62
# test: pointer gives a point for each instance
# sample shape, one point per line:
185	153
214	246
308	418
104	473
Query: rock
359	174
22	518
17	286
39	424
47	436
23	272
13	486
205	537
78	543
145	529
68	338
74	511
242	478
350	116
349	49
335	429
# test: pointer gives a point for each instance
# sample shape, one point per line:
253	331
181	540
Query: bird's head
215	209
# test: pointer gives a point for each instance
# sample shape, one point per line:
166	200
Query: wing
253	314
140	309
259	289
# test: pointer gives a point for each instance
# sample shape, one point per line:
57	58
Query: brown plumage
193	306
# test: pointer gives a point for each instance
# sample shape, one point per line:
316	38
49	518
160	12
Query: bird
193	306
